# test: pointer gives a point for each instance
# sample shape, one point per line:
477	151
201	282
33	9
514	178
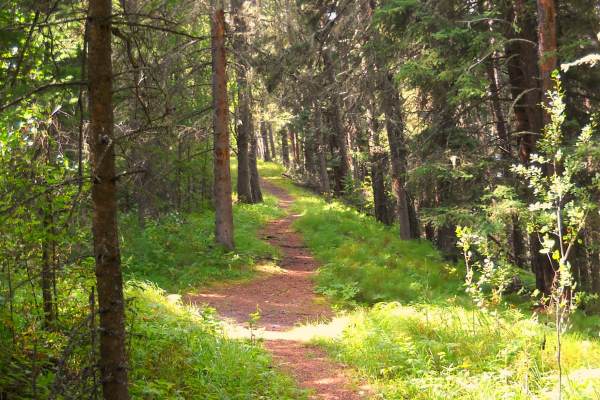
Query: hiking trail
286	300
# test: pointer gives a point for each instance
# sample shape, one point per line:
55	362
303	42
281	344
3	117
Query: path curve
286	300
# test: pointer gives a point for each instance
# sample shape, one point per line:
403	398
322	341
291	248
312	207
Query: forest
300	199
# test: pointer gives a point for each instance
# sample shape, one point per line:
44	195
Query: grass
178	252
411	330
178	352
175	351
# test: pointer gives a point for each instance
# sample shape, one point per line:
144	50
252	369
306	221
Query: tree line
413	111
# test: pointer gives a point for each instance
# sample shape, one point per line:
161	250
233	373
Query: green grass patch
364	261
415	334
178	253
175	352
178	352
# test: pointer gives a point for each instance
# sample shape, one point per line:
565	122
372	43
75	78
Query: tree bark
113	357
547	48
499	120
254	177
523	75
321	152
243	129
265	141
390	102
294	161
222	173
285	151
47	275
342	165
378	160
271	141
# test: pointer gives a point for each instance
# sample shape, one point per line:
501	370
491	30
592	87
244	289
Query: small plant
555	216
488	276
254	319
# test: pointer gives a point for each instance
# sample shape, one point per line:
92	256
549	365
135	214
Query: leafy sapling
555	217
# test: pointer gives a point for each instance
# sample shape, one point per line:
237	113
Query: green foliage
177	252
179	352
419	336
489	275
176	352
444	351
364	261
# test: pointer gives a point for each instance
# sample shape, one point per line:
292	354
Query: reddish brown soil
286	300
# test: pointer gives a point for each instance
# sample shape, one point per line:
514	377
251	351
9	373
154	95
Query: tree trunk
254	177
499	121
547	48
390	102
47	275
294	161
243	179
592	246
243	129
300	145
265	141
321	152
285	151
222	173
113	357
378	160
342	165
271	141
523	77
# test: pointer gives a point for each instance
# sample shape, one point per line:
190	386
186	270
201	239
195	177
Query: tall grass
414	333
178	352
178	253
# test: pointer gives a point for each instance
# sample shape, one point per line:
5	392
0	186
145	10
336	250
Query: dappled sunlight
305	333
429	339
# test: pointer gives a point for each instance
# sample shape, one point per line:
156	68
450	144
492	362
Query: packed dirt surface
286	299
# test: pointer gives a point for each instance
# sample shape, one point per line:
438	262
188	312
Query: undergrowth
178	352
175	352
177	252
412	331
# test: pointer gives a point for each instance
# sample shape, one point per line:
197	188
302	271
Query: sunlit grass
178	251
179	352
412	331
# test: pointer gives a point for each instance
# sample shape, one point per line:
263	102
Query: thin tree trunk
113	357
47	275
342	165
285	151
390	102
243	129
499	120
271	141
294	161
222	173
243	158
378	160
254	177
265	141
321	152
547	48
48	245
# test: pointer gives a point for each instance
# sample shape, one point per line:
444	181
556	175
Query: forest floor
403	322
284	304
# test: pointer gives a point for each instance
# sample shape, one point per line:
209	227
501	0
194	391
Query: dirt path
286	300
